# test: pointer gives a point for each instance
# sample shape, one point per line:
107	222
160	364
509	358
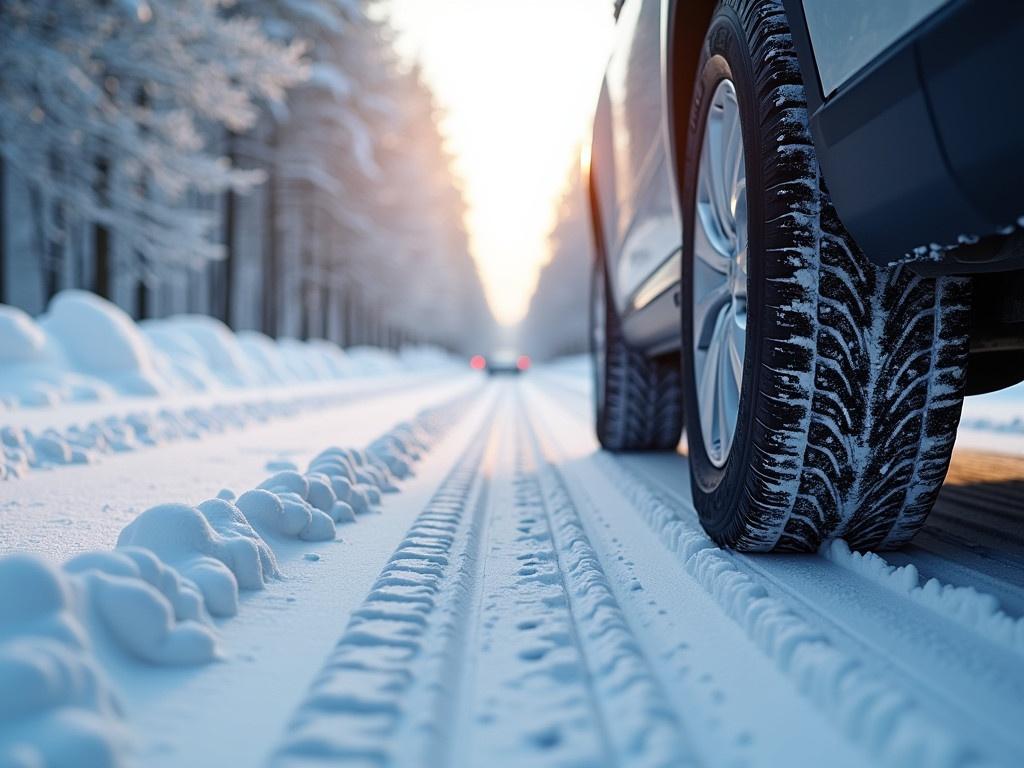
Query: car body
808	223
916	132
503	362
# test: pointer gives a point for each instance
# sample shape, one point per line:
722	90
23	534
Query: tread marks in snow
557	674
531	692
640	723
360	698
887	722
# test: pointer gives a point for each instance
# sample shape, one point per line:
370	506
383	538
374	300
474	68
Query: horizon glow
518	82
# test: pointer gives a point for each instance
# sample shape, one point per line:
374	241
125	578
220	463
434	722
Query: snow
21	340
57	705
475	585
84	348
977	611
97	338
206	343
994	421
174	567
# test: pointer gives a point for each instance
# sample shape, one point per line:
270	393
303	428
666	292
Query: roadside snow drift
86	348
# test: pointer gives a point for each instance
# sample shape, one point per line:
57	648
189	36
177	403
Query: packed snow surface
478	584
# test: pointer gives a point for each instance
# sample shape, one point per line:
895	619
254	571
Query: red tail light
523	362
477	362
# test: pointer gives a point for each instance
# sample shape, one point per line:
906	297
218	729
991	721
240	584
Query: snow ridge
975	611
175	566
890	725
25	449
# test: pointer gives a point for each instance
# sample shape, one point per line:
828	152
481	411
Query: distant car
502	362
809	248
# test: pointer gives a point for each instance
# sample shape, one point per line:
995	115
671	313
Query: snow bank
85	348
98	339
32	369
205	346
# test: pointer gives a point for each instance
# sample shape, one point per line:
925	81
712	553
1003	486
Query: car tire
638	401
852	379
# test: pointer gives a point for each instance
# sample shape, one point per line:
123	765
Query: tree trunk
101	239
229	239
269	278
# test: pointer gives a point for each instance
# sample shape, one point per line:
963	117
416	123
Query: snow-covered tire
853	375
637	399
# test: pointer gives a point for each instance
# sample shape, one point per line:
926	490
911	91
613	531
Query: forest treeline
268	162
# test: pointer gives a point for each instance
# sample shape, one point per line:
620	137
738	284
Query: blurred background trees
556	323
268	162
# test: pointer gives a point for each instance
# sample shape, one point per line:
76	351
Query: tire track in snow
359	700
641	725
897	724
953	675
529	697
491	638
558	676
871	679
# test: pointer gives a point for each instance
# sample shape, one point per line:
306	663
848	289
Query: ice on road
509	595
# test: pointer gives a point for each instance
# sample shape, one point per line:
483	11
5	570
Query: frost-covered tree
369	234
108	108
282	134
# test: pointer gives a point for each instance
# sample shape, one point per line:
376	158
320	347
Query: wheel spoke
709	245
718	193
708	385
736	347
726	411
706	313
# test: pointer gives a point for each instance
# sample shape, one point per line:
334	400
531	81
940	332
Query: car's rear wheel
638	405
821	393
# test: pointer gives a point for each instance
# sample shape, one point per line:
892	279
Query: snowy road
526	599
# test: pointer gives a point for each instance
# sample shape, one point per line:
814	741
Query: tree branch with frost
134	89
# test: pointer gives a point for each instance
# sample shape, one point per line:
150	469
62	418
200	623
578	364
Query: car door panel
644	230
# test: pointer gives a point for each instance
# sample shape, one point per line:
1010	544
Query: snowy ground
522	599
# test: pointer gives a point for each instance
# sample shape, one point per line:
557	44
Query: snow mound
32	368
214	547
145	607
265	358
197	342
56	707
21	340
973	610
97	338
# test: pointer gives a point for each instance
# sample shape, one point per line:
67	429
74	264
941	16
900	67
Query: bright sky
518	80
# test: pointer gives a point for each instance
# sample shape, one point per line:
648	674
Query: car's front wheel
821	393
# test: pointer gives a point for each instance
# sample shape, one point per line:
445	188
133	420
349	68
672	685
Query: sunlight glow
518	80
